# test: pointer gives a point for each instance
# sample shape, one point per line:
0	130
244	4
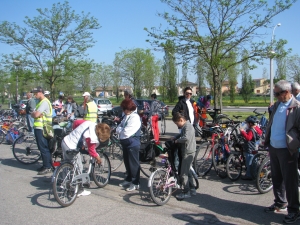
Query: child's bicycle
67	177
163	180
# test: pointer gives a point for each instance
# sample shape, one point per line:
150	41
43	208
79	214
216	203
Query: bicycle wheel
149	167
2	136
64	188
115	154
162	124
255	163
145	136
101	173
219	161
264	180
160	192
203	160
23	130
25	149
234	167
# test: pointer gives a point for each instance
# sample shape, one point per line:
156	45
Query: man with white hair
296	90
282	140
30	106
90	108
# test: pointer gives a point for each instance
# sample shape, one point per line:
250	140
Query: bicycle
264	179
67	177
163	180
162	119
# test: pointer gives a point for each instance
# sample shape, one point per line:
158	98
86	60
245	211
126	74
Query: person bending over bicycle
88	134
186	144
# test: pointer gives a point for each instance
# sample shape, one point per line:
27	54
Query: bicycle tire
234	167
203	160
145	136
264	179
101	173
218	161
23	130
163	124
2	136
255	163
159	191
64	191
115	154
25	149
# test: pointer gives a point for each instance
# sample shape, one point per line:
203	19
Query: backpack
258	139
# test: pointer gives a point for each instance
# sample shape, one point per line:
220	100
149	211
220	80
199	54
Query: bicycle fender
149	179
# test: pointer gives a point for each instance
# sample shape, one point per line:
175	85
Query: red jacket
249	134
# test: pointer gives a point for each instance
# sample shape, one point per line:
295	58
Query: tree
212	29
169	71
138	67
293	66
247	82
201	71
102	76
52	39
265	75
184	79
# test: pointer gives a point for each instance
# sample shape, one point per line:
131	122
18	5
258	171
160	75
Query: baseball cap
37	89
86	94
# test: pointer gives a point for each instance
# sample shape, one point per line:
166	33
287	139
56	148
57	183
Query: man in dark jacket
185	105
282	140
30	106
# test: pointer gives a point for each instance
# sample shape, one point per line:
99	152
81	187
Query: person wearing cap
30	106
42	114
90	108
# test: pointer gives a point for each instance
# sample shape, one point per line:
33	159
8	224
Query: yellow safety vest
92	112
38	122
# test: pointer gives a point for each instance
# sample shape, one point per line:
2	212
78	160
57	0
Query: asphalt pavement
26	199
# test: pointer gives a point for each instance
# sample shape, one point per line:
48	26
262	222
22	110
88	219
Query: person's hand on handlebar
117	119
98	160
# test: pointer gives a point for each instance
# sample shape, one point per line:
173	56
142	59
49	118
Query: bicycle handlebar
258	113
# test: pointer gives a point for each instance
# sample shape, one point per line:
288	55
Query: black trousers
285	178
132	163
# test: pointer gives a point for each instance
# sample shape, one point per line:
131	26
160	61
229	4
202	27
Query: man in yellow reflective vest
42	114
90	108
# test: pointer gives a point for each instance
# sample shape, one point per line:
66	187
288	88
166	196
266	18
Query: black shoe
246	178
292	217
40	169
276	208
45	171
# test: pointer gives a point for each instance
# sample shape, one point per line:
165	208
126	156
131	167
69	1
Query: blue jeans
30	122
42	144
248	157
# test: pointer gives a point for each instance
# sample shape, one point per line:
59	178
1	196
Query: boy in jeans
187	148
251	136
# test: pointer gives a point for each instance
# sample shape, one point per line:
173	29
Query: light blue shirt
298	97
278	138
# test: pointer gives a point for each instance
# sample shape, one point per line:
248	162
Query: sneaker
183	195
292	217
45	171
125	183
193	191
40	169
246	177
276	208
83	192
133	187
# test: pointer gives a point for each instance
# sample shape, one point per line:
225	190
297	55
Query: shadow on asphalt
14	163
45	199
200	218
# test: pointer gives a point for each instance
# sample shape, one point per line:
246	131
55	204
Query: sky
123	22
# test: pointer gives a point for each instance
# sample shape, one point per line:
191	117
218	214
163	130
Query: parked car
103	105
142	103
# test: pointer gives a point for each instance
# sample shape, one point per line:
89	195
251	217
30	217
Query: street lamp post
17	63
271	65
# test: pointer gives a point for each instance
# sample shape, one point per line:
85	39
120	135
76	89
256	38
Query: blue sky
123	22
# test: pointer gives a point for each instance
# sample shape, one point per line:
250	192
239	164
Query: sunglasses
276	94
188	93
